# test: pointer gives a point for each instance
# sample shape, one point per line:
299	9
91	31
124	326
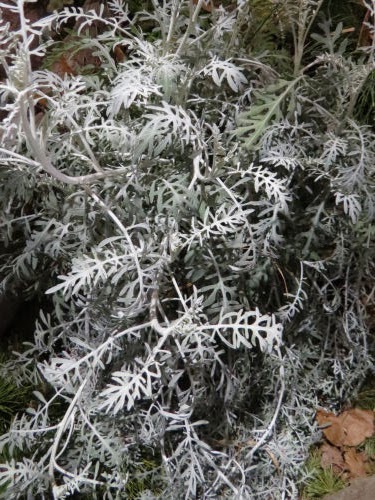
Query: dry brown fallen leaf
350	428
357	425
330	426
206	5
355	463
331	457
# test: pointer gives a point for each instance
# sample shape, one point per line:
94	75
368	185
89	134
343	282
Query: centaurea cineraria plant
199	217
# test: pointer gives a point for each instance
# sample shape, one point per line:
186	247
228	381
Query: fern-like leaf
265	110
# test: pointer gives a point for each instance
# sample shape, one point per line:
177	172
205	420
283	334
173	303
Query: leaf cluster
200	217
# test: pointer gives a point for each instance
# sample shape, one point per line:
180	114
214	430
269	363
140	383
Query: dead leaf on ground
62	67
206	5
330	426
74	62
331	457
350	428
355	463
357	425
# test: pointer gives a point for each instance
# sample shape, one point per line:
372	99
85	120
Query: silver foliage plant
200	218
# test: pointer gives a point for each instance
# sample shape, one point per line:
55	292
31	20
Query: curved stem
69	415
193	18
272	424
